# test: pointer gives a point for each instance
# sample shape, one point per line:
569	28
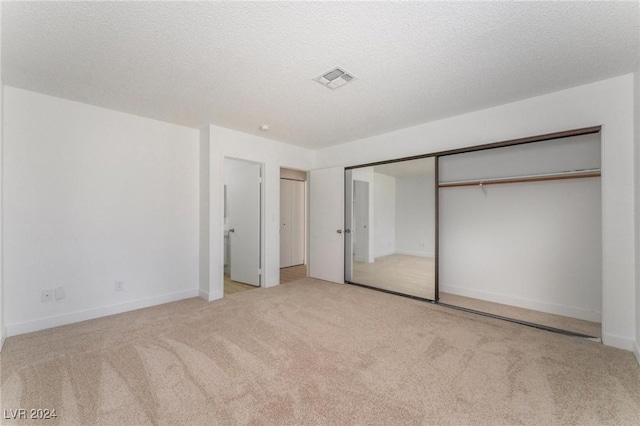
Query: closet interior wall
534	244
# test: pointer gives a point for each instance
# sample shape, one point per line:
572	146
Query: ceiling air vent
334	78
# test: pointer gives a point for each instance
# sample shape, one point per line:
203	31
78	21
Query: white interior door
243	180
360	227
292	222
297	222
285	224
326	233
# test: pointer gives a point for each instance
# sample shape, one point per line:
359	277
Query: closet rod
579	174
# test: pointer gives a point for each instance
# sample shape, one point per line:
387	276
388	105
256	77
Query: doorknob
232	230
347	231
339	231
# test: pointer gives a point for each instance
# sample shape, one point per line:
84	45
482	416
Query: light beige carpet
311	352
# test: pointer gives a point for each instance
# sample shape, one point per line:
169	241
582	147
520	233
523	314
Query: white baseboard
636	352
3	337
386	253
551	308
415	253
103	311
618	341
203	294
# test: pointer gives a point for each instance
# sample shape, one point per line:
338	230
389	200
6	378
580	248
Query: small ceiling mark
335	77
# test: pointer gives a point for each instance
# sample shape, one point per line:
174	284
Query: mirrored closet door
391	227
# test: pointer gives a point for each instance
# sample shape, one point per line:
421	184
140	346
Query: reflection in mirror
390	213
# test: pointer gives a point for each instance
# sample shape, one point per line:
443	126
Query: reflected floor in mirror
550	320
401	273
293	273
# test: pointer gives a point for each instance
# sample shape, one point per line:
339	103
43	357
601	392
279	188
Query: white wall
273	155
608	103
3	331
384	215
559	155
92	196
534	245
204	213
415	215
637	199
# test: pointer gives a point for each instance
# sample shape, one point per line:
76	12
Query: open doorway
242	225
293	225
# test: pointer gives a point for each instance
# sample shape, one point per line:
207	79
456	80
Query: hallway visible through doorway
293	273
232	287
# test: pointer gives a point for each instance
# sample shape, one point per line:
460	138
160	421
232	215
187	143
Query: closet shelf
576	174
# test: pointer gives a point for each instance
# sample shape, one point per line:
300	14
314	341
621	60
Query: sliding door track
521	322
408	296
486	314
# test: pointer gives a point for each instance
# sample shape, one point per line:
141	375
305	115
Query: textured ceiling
241	64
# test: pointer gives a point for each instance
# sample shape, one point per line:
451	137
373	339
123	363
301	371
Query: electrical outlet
59	293
119	285
46	295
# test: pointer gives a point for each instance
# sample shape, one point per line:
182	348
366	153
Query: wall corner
3	329
204	212
636	123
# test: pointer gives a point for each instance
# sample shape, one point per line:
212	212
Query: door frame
307	212
305	215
